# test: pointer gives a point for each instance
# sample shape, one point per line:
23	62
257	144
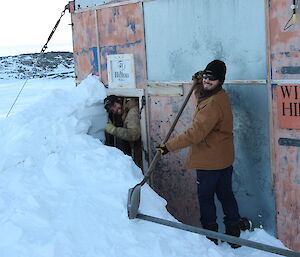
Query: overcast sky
26	25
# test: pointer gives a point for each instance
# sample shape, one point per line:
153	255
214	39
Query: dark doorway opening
131	148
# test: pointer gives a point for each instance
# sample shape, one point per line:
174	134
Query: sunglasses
209	77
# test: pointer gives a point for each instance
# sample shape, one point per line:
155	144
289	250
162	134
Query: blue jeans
210	182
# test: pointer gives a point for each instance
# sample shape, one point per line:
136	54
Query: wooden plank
246	82
165	88
286	81
112	5
238	82
126	92
175	88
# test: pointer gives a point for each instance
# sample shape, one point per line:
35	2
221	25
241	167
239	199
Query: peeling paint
108	50
290	53
289	142
131	24
116	36
290	70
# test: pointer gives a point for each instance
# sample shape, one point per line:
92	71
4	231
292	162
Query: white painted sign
121	73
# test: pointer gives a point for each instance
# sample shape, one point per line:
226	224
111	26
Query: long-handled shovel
134	193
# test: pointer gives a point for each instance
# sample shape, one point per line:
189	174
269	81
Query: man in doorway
130	130
211	152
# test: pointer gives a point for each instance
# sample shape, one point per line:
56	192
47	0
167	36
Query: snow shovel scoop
134	193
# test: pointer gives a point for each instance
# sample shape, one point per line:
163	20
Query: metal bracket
143	102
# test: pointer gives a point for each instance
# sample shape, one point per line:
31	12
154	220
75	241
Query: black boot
212	227
233	230
245	224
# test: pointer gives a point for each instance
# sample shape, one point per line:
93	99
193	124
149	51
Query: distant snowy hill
45	65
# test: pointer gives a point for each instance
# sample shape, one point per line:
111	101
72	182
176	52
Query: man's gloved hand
110	128
198	75
162	149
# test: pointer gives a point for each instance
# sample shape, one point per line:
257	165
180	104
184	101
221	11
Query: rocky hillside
50	65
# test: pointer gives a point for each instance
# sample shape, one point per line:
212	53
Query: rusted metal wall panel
286	174
285	46
171	181
121	31
117	30
84	44
284	64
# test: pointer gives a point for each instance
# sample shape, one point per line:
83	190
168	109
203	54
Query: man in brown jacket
211	151
130	131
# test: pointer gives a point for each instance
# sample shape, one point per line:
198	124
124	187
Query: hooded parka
131	130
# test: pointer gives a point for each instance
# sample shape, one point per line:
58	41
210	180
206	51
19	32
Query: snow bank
63	193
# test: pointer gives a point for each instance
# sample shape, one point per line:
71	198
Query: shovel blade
133	202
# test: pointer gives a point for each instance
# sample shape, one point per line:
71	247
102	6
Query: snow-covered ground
64	194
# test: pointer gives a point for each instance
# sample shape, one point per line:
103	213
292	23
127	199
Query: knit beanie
217	68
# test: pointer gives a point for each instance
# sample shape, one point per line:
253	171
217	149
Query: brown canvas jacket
131	130
210	137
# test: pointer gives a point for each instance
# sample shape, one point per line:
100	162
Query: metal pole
221	236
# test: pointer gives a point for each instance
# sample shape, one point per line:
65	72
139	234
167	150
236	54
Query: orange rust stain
121	25
121	31
182	201
280	12
287	188
285	49
84	34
